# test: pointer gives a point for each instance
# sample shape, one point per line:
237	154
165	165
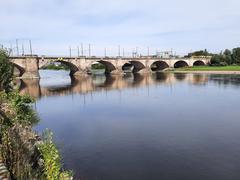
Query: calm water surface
134	127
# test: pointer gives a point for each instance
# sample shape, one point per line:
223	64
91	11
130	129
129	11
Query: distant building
165	54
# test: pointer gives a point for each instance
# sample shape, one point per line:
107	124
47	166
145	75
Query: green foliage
200	53
216	59
55	67
236	55
211	68
21	105
228	57
52	159
5	71
98	66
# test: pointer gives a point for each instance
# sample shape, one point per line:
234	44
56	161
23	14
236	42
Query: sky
181	25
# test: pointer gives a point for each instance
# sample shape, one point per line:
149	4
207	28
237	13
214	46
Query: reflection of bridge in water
88	84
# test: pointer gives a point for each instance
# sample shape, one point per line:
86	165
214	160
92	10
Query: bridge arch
109	67
159	66
198	63
72	67
127	67
180	64
19	68
137	66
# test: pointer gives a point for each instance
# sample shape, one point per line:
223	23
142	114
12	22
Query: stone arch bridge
28	66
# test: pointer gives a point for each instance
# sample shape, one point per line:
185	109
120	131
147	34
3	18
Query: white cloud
182	25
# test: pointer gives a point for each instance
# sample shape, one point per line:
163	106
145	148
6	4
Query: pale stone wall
81	65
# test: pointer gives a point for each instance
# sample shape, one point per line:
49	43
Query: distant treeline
226	57
98	66
54	66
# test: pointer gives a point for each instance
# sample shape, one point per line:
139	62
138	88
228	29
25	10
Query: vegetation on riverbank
54	66
19	145
224	58
210	68
98	66
6	71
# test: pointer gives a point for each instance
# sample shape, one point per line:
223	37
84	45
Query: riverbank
4	174
209	69
22	151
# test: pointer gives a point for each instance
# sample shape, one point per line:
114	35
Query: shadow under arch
128	67
137	66
199	63
109	67
159	66
180	64
17	70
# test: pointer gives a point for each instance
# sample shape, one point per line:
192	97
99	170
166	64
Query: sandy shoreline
209	72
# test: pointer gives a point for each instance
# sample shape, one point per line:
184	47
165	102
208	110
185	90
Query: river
169	126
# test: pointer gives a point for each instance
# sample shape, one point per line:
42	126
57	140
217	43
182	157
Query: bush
22	109
5	71
52	159
223	64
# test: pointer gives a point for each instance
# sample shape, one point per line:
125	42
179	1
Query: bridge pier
31	68
30	75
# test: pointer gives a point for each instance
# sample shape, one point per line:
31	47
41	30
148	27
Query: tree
216	59
200	53
227	56
236	55
5	71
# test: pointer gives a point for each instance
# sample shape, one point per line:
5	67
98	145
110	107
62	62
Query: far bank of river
210	69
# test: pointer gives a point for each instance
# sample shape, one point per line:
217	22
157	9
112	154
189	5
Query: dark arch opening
18	71
180	64
137	66
109	67
128	67
198	63
159	66
65	66
97	68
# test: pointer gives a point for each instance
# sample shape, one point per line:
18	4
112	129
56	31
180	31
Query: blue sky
183	25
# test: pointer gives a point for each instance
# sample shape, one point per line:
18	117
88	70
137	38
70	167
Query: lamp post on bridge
17	47
78	51
82	49
30	46
70	51
119	51
89	50
22	49
105	52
